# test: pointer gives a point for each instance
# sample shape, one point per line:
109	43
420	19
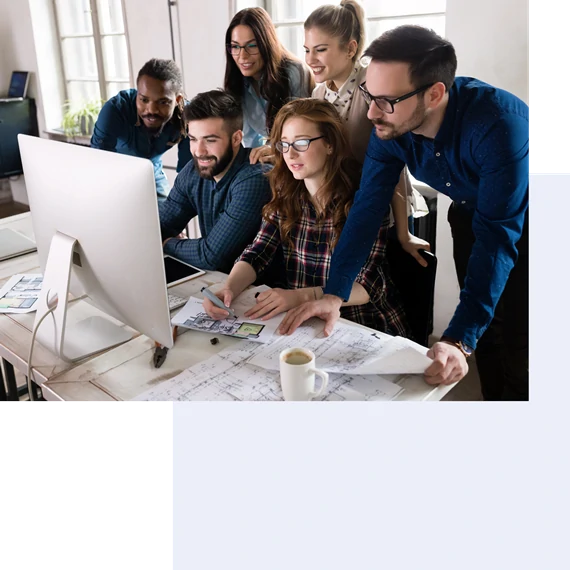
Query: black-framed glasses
300	146
387	105
235	49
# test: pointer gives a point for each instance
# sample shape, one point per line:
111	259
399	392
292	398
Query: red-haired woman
313	184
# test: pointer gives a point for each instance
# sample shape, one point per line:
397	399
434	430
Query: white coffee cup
297	367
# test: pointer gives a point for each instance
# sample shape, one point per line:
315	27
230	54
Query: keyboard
174	301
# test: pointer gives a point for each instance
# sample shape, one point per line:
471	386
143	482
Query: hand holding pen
217	305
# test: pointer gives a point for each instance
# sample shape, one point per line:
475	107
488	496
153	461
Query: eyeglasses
234	49
387	105
300	146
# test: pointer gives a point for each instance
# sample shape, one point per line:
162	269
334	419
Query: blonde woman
334	41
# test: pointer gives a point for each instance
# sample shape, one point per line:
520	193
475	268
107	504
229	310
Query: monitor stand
71	342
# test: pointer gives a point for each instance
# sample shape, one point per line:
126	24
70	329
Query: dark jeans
502	351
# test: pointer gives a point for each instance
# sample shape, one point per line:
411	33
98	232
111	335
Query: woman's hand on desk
226	296
275	301
327	309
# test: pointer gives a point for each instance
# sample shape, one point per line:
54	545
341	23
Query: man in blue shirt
218	185
468	140
145	121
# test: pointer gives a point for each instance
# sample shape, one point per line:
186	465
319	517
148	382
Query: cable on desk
31	392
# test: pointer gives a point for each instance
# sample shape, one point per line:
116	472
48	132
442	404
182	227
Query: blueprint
349	349
363	364
229	376
193	316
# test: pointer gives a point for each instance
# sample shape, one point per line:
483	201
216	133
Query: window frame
269	5
97	36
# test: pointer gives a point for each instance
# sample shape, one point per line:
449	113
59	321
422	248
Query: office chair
416	285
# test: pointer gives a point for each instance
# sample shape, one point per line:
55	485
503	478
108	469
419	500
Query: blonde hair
346	22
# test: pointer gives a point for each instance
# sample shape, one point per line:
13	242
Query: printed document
20	293
193	316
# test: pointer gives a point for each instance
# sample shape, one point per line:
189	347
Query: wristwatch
464	348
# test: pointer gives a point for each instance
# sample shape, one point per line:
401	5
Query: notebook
13	244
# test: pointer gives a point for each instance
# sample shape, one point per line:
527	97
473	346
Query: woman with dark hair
313	184
334	40
261	73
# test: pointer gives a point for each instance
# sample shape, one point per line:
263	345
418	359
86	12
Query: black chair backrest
416	285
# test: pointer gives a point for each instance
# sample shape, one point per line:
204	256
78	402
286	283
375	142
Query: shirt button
463	201
438	154
448	184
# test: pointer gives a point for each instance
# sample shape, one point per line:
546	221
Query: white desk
126	371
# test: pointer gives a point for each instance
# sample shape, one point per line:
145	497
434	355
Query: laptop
18	87
13	244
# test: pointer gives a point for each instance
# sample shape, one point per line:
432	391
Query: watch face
467	349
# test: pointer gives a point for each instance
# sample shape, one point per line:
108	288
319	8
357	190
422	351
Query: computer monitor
95	219
19	84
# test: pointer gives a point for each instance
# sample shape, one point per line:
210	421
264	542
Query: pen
217	301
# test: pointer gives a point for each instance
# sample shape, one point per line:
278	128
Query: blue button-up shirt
229	213
119	129
479	158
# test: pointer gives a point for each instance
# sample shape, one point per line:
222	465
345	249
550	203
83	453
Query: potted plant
80	119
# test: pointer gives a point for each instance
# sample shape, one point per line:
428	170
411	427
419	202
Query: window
289	16
93	48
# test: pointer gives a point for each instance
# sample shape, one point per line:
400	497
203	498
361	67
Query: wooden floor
12	208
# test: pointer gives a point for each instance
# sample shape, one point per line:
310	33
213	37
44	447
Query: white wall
148	31
532	50
18	52
491	40
198	28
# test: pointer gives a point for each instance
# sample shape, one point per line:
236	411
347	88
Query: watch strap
464	348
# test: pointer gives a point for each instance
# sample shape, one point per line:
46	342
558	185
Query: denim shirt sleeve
380	175
502	201
108	127
254	116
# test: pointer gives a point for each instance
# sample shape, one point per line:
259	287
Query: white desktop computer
95	219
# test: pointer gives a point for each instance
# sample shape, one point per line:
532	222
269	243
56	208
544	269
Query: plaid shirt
307	263
229	213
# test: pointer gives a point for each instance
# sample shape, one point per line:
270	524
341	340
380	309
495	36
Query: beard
156	130
413	123
219	165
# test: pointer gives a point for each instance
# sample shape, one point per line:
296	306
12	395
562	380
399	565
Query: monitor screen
18	84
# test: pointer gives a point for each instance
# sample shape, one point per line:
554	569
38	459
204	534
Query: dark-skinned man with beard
146	121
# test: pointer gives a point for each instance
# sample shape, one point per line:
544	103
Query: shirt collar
445	131
446	128
346	91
